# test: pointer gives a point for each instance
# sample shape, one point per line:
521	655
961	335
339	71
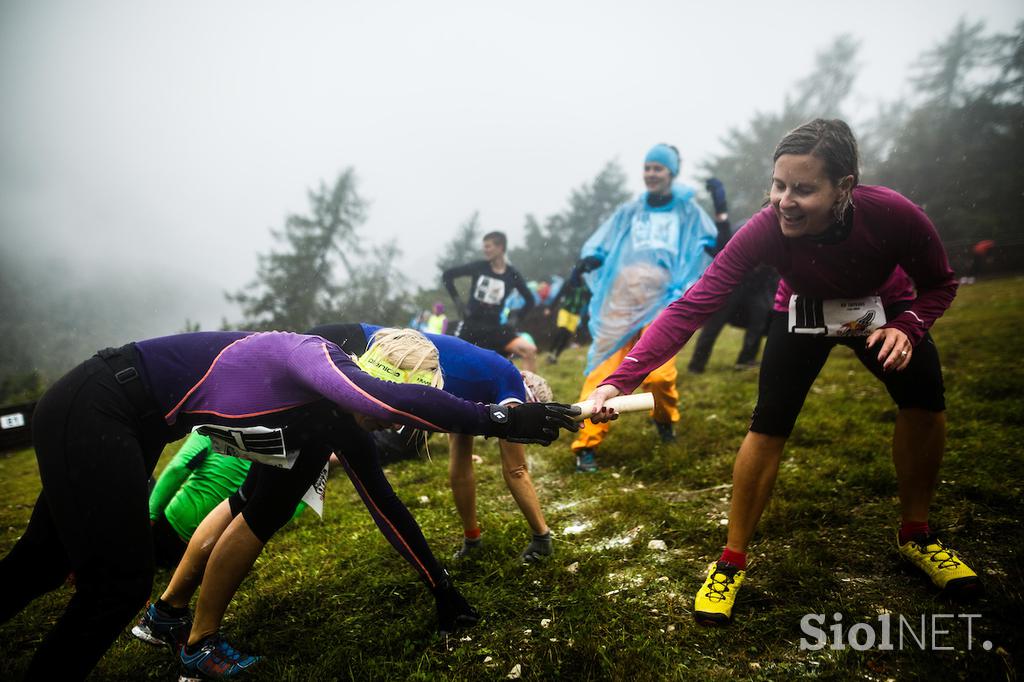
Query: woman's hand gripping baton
612	407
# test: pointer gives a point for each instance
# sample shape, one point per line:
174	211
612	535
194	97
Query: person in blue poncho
642	258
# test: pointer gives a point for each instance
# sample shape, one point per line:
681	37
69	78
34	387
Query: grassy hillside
330	599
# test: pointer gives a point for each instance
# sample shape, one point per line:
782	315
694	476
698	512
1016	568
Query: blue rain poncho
649	257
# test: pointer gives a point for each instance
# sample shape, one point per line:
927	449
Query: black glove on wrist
724	228
533	422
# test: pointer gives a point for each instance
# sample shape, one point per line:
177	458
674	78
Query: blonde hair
537	388
410	351
413	356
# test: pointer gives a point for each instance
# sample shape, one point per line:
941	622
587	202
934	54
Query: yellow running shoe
945	568
714	601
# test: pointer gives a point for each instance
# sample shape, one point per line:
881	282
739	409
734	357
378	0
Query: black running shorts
791	363
494	337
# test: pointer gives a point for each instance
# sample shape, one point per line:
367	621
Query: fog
152	145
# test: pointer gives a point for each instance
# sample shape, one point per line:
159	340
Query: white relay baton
637	402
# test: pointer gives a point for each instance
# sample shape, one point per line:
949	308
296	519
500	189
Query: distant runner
492	281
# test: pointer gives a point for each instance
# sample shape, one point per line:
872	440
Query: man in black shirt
492	281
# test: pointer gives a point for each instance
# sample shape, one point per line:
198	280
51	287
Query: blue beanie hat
666	156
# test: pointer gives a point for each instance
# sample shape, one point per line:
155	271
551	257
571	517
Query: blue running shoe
157	628
214	660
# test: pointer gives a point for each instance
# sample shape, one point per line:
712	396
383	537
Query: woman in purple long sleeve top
100	429
850	258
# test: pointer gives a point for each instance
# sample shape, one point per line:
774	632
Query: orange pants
661	382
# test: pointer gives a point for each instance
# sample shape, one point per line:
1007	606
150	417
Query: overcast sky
169	136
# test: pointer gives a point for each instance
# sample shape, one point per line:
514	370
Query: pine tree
944	72
464	246
318	274
958	150
745	165
553	247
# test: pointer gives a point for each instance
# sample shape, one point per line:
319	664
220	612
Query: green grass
331	600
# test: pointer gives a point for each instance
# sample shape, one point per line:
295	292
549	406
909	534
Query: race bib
489	290
655	231
12	421
254	443
314	497
835	317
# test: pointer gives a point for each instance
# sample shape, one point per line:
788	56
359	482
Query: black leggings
560	340
268	497
791	363
361	462
95	456
753	302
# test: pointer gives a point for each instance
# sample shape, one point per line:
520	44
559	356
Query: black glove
533	422
590	263
453	611
724	228
717	191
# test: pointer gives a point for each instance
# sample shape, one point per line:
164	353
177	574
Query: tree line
953	144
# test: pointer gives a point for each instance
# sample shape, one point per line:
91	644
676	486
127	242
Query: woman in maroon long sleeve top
861	266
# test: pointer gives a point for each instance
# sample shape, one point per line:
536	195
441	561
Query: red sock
473	534
738	559
913	529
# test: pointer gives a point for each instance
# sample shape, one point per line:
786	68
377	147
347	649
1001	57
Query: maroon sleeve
677	323
924	258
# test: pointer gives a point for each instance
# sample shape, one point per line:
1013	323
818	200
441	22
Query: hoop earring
840	207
